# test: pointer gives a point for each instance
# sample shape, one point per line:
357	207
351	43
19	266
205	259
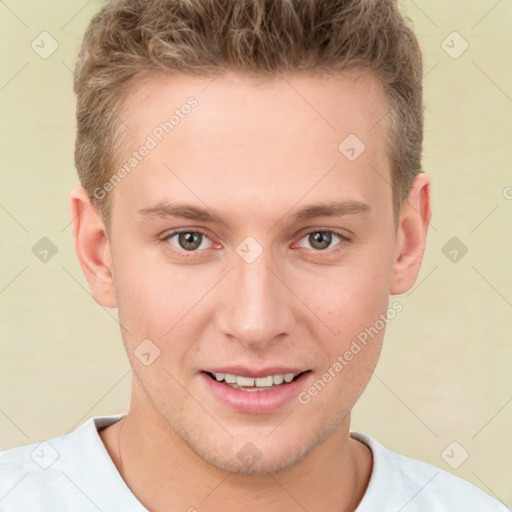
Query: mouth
255	384
255	392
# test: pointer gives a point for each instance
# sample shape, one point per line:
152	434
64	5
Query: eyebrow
191	212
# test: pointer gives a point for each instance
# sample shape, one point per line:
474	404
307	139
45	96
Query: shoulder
31	471
42	476
412	485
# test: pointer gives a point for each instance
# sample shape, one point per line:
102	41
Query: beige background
445	372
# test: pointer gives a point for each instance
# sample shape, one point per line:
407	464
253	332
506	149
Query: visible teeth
262	382
258	382
245	381
278	379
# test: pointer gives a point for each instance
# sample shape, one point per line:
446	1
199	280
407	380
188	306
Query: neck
165	474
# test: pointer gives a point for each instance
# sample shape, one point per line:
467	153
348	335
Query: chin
259	457
257	463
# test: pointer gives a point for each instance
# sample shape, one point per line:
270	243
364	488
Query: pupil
187	241
321	238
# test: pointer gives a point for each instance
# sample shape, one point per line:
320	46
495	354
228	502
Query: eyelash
190	254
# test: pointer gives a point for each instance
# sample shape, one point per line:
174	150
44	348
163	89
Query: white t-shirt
74	473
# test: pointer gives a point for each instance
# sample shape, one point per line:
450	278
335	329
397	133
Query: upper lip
244	371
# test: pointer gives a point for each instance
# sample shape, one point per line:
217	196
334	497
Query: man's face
261	292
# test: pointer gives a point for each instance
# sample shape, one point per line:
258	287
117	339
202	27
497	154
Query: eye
320	240
188	241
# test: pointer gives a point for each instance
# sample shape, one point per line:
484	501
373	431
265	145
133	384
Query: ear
411	235
92	247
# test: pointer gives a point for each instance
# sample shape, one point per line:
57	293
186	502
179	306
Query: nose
256	303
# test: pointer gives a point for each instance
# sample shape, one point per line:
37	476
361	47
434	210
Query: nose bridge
257	304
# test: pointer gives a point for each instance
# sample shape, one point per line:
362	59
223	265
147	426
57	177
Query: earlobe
92	247
411	235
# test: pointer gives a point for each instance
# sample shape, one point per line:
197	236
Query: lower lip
256	402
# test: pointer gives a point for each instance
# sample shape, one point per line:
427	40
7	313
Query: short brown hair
131	39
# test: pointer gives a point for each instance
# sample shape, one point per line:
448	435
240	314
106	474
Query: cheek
350	301
346	299
163	304
148	302
353	307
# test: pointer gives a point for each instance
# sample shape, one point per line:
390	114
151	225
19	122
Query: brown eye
320	239
188	241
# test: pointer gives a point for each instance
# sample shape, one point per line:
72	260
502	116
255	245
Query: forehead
253	135
249	105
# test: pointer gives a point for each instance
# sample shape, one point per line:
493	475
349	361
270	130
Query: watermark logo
44	250
146	352
44	455
454	455
44	45
454	45
352	147
249	250
249	454
454	249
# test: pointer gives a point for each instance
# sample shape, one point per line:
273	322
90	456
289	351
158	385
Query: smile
254	383
255	392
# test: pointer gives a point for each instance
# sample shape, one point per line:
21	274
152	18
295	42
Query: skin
255	152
